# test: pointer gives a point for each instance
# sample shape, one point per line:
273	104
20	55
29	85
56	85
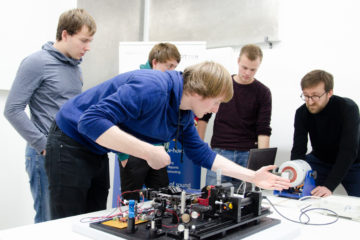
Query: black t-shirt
206	117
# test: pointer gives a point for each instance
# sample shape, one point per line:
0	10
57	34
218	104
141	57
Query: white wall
319	34
314	34
25	26
15	198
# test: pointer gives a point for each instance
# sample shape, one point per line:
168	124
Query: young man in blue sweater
131	113
44	81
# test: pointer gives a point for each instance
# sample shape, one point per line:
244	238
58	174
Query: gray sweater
45	81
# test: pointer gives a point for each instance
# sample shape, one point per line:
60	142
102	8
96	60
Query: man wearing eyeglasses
332	123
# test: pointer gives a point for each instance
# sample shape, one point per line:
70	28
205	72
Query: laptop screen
261	157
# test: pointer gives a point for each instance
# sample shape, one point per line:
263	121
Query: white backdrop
25	27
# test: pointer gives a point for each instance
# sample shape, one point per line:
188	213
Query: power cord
241	186
303	213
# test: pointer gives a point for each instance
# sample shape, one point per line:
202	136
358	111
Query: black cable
304	212
182	137
182	145
178	129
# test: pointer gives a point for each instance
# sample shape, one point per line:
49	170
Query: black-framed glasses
314	98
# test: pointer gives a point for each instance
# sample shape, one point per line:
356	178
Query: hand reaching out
265	179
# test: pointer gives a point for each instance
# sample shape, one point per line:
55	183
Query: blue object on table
299	192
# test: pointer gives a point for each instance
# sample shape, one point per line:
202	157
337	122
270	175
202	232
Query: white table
342	229
69	228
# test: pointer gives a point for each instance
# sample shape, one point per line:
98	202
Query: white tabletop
291	209
72	228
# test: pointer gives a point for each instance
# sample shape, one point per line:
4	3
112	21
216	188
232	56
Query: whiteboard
133	54
219	23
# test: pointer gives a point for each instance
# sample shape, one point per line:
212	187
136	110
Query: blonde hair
252	52
209	80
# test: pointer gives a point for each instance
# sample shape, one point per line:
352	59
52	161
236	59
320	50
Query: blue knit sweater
143	103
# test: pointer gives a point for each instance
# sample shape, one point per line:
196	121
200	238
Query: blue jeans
38	184
351	181
239	157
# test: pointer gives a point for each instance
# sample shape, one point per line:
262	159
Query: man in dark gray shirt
45	81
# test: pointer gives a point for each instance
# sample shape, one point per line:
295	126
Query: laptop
257	159
261	157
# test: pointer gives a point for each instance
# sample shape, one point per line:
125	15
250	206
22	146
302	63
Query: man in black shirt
332	123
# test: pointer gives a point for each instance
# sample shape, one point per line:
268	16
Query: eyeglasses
314	98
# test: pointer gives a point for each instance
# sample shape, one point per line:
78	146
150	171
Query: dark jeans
351	181
78	178
137	173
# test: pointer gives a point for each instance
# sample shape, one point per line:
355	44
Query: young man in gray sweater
45	81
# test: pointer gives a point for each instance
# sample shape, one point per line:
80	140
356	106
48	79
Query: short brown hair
163	52
317	76
73	20
209	80
252	52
